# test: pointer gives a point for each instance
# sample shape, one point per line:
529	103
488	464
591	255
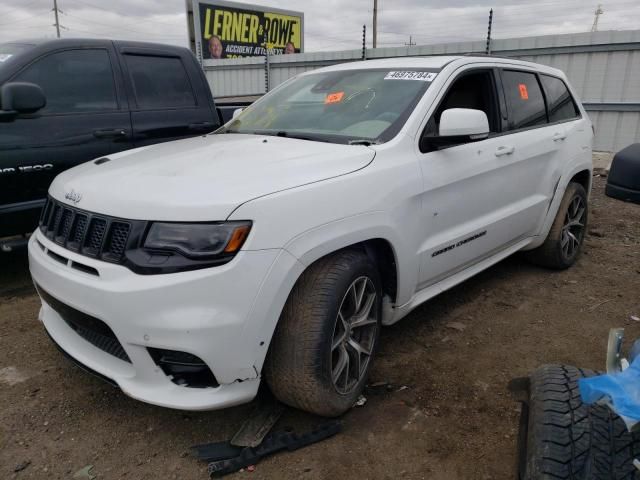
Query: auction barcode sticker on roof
410	75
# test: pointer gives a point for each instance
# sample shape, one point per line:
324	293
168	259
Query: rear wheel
562	438
562	246
322	349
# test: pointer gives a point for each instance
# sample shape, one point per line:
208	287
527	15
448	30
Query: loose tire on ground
562	438
299	368
552	253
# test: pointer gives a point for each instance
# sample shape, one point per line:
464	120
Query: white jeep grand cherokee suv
279	245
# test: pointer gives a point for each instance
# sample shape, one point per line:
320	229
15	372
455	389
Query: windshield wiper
312	138
362	141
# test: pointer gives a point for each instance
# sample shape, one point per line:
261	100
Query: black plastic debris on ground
225	458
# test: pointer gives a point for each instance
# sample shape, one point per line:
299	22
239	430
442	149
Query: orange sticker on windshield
524	95
335	97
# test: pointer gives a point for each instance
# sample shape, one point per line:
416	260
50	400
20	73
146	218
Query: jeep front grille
94	235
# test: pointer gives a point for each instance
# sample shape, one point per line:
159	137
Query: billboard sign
235	30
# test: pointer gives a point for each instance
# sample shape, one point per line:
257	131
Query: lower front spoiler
81	365
161	392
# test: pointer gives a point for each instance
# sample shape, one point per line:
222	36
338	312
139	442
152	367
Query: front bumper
223	315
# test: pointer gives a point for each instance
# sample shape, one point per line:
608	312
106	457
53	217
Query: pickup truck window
341	107
74	81
160	82
524	96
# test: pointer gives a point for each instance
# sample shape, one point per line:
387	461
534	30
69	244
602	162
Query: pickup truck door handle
559	136
505	150
110	133
201	126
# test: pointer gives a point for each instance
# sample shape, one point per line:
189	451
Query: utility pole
57	24
411	43
375	23
598	12
488	49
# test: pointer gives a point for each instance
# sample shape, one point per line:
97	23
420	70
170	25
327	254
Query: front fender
336	235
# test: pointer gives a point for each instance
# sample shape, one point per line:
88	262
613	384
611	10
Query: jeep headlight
198	240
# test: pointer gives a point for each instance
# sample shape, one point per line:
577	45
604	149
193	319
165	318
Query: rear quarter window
524	99
561	105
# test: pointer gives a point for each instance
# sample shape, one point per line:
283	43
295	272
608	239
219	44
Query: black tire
552	254
566	439
298	368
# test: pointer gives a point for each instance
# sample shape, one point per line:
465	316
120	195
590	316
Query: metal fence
604	67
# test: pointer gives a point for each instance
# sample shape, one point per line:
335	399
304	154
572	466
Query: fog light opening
183	368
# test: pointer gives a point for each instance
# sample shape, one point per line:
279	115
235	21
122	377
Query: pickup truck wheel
562	246
327	335
562	438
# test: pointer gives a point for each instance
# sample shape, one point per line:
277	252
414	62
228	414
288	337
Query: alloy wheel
573	228
354	335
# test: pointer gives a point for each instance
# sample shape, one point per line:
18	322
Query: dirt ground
455	354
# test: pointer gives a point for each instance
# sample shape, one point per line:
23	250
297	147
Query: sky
329	24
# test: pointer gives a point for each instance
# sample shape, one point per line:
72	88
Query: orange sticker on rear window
524	95
335	97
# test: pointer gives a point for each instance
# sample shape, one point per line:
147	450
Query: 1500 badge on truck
278	246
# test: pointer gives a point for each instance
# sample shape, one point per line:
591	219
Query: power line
24	7
92	5
20	27
25	18
120	27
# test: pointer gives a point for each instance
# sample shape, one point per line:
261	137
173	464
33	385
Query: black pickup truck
64	102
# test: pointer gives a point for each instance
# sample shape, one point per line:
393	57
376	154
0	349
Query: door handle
110	133
559	136
505	150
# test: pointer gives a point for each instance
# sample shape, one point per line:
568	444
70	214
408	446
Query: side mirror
236	112
460	125
21	97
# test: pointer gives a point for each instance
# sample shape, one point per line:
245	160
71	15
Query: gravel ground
455	354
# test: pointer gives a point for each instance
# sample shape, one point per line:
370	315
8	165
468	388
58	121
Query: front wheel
327	335
562	246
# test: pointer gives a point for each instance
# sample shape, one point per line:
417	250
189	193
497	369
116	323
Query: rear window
524	96
560	103
160	82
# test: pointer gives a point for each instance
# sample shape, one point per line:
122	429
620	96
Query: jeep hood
203	178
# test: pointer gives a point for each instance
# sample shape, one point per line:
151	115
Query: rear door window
524	99
160	82
74	81
560	103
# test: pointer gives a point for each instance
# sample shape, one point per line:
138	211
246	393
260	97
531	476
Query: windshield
10	50
349	106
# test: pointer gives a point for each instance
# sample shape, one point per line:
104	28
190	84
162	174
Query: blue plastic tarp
620	391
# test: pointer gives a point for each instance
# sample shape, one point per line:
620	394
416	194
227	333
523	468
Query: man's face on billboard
215	47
